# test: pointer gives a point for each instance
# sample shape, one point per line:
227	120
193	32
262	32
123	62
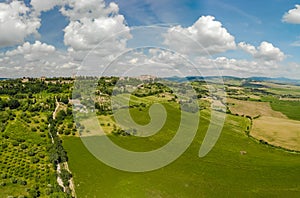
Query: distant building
78	106
146	77
25	80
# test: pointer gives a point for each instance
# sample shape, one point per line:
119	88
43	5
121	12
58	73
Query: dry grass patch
92	125
289	99
277	131
252	108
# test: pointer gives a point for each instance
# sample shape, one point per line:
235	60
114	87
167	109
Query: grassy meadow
290	108
262	172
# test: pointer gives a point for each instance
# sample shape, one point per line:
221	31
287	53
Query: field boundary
263	142
62	165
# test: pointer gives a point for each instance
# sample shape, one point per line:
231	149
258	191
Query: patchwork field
273	127
237	166
252	108
261	172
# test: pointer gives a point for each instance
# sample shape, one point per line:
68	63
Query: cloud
37	59
78	9
40	6
154	61
16	23
88	33
292	16
90	22
265	52
32	52
296	44
206	31
247	48
236	67
93	25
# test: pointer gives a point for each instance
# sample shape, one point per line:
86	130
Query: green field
224	172
290	108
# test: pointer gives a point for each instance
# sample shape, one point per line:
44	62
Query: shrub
4	176
35	160
263	142
23	182
24	146
67	132
31	153
14	180
41	155
13	104
70	125
65	176
34	193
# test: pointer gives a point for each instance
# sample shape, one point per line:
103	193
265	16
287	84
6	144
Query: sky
213	37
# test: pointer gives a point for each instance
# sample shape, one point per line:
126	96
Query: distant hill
280	80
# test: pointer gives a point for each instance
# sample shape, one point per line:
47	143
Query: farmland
28	155
255	156
238	165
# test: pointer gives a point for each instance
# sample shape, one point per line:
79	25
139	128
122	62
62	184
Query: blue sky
249	22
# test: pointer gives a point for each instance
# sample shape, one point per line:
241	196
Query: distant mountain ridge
280	80
276	80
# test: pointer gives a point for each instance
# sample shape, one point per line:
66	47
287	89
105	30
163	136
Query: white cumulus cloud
236	67
292	16
16	23
206	31
78	9
37	59
40	6
265	52
88	33
93	24
32	52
